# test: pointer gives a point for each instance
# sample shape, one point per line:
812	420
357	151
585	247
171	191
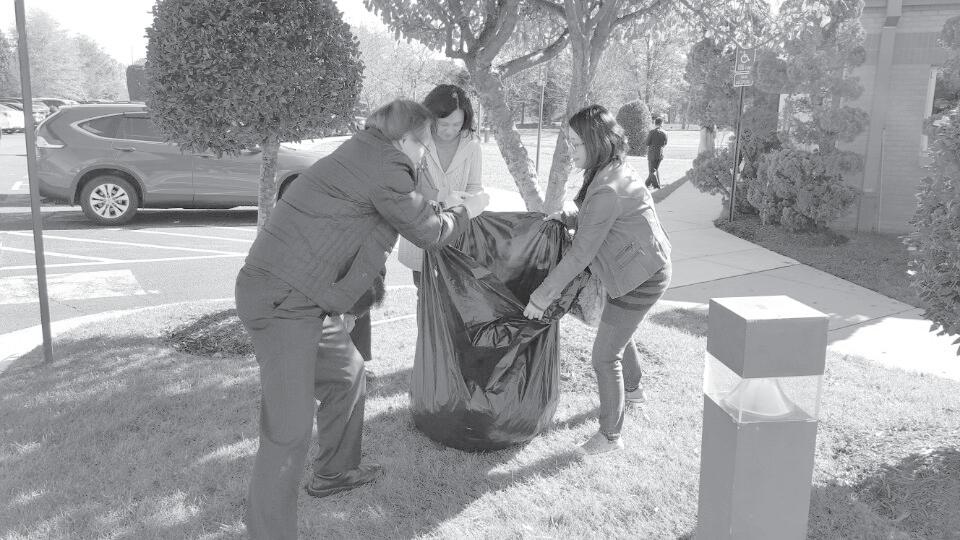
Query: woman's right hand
476	203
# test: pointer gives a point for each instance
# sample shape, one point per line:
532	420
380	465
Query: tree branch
630	17
551	6
535	58
494	37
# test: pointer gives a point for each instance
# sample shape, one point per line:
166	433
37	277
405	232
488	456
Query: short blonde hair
399	117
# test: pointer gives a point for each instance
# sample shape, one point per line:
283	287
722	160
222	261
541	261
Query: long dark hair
446	98
603	139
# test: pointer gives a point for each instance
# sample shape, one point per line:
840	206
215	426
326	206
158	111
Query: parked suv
111	160
40	109
11	119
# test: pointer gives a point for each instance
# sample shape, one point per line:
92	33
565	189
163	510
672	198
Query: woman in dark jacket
325	244
619	237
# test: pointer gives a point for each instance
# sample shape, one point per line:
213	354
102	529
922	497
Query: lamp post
762	383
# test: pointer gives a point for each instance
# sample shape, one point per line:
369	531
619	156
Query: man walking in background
656	140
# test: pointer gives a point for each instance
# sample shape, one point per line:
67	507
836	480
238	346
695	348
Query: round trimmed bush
635	119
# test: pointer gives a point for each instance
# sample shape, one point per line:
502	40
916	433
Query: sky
118	25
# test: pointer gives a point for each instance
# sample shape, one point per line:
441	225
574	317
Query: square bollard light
762	381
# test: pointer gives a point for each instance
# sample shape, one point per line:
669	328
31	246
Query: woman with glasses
619	238
322	249
453	162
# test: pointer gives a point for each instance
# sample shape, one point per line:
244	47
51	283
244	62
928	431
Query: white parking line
128	261
118	243
56	254
225	239
248	229
78	286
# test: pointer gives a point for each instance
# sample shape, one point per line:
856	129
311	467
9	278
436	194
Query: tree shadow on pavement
72	218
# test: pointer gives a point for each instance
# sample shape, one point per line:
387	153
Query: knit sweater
331	232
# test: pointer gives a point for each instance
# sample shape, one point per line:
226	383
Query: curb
15	200
20	342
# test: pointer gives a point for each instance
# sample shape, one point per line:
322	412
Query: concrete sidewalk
710	263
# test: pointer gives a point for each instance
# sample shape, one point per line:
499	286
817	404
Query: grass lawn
875	261
127	437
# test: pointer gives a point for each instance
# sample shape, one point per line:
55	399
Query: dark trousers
304	357
360	336
653	161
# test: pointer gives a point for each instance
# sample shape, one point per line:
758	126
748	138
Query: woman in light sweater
620	239
452	167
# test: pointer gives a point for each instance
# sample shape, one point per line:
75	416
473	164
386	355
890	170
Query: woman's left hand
533	311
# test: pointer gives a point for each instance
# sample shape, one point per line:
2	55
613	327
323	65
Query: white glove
475	204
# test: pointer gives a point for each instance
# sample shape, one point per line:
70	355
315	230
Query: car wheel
109	200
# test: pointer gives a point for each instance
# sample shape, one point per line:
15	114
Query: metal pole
29	137
540	118
736	157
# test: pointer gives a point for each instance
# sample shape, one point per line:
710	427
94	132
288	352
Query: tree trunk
560	166
708	140
521	167
268	179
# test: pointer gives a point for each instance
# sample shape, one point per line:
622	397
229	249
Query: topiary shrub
803	190
635	119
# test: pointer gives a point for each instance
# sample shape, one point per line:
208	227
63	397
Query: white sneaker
600	444
636	396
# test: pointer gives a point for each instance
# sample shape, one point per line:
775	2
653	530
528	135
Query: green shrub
803	190
636	122
935	240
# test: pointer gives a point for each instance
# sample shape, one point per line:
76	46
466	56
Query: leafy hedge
935	240
635	119
803	190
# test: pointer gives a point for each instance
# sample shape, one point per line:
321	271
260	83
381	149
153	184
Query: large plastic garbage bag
484	376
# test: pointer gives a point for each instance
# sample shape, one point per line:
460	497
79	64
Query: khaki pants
304	357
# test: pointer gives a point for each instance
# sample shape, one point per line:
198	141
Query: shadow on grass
425	485
917	497
690	321
124	436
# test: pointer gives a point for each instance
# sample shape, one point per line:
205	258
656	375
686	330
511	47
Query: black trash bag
484	376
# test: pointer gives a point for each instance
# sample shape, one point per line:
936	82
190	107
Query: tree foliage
100	74
935	240
635	119
226	75
395	68
709	72
73	67
9	82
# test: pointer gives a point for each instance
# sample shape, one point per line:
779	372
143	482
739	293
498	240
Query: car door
227	181
166	172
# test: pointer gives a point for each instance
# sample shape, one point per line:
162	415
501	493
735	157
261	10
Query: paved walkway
710	263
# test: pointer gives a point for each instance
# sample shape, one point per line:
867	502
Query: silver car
111	160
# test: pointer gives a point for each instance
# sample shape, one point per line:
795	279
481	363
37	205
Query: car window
141	128
107	126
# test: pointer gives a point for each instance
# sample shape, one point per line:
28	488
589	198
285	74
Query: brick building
899	80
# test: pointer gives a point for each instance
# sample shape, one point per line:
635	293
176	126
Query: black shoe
320	486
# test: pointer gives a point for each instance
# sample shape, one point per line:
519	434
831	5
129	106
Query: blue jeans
616	361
